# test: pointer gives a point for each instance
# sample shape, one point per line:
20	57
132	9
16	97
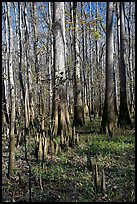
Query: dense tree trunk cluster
65	64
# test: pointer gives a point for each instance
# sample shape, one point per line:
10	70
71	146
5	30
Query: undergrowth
66	177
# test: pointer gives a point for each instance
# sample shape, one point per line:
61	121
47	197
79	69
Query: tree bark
61	123
124	117
11	164
108	118
77	88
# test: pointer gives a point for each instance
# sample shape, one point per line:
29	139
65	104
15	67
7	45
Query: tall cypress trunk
124	118
61	122
78	103
108	118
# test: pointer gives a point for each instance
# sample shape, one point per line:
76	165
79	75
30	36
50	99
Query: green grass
66	177
73	182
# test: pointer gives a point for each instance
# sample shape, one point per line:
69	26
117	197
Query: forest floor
66	177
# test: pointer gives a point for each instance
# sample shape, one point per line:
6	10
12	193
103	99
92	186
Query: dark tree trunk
124	118
108	118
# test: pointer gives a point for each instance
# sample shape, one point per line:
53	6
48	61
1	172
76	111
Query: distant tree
128	47
5	101
11	164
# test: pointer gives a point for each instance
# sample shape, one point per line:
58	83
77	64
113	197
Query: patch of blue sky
90	8
43	26
12	13
45	4
86	8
